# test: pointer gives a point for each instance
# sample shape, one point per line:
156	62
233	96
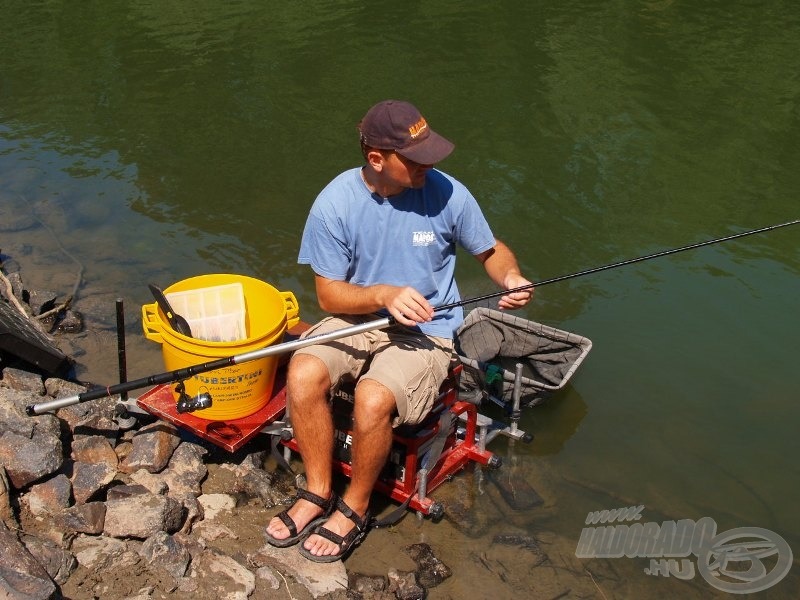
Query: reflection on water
148	142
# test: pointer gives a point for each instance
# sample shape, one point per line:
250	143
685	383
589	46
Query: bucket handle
151	323
292	309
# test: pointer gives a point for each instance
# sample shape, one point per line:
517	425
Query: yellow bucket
239	390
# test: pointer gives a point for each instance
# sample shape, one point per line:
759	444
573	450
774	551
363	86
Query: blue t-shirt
356	236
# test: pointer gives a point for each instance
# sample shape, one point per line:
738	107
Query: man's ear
376	160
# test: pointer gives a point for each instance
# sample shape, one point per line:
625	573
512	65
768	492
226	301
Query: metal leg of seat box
489	429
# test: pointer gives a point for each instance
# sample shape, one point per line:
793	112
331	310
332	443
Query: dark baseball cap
399	126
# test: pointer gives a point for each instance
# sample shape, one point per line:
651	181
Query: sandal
348	542
327	507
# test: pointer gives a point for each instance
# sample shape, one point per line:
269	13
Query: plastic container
214	314
239	390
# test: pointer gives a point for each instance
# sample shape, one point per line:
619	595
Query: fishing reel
187	403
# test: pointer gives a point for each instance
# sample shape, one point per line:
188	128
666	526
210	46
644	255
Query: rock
41	301
94	449
318	578
88	479
142	515
6	510
126	491
367	584
23	381
213	504
98	553
165	552
96	424
70	322
268	576
183	475
223	577
153	446
58	563
430	570
14	419
257	483
83	518
50	496
404	586
152	482
29	459
21	576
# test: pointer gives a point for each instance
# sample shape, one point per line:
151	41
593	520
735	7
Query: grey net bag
490	343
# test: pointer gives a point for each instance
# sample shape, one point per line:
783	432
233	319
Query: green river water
152	141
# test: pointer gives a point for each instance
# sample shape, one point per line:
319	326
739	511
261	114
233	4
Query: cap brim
429	151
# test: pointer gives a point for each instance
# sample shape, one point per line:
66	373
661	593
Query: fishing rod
285	347
613	266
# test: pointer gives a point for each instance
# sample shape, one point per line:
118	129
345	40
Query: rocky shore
98	506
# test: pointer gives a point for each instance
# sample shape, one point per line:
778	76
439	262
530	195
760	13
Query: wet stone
405	586
430	570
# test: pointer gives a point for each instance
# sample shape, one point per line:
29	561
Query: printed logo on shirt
423	238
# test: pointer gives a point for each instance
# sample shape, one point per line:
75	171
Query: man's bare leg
372	441
307	386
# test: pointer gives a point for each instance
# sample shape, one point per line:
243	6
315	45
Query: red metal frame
456	454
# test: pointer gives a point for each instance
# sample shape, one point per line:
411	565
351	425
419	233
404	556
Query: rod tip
30	410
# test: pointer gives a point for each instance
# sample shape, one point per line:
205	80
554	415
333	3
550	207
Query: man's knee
307	377
374	404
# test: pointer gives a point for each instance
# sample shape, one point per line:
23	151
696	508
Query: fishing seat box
408	475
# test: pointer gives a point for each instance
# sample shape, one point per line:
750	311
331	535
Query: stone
21	576
404	586
165	552
58	562
430	570
222	576
153	446
142	515
94	449
83	518
28	460
318	578
24	381
98	553
89	479
50	496
213	504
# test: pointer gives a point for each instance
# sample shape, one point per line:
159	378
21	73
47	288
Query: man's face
405	172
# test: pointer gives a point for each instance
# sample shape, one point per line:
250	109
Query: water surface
149	142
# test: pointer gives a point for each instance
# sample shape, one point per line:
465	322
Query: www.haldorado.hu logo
732	561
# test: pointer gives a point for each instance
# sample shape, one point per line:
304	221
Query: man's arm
405	304
502	268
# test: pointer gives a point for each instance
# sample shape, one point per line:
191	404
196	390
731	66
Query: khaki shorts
411	365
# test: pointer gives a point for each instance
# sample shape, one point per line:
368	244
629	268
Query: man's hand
407	305
517	299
